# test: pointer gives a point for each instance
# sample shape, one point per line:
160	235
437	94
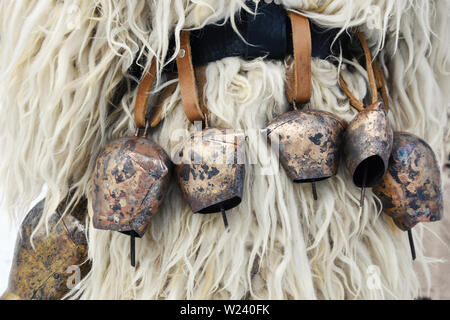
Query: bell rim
374	179
312	180
124	229
235	201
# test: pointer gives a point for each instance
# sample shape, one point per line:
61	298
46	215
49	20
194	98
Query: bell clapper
225	220
147	128
132	250
206	120
411	244
363	188
363	195
314	190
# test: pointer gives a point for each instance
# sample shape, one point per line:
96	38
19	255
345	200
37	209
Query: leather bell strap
200	75
192	82
381	84
188	82
369	67
375	76
299	85
145	86
157	115
157	112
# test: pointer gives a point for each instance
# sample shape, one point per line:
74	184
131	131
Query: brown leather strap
157	115
200	74
381	84
147	82
358	105
376	79
146	85
186	77
299	86
369	67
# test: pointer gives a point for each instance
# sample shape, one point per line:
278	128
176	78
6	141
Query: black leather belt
268	32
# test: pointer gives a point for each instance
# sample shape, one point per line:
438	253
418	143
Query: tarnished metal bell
308	143
130	179
411	190
368	137
211	170
53	264
367	146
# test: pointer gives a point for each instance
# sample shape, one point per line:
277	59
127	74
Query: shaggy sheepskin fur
60	65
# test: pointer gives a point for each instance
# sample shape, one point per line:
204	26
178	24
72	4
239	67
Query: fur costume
60	65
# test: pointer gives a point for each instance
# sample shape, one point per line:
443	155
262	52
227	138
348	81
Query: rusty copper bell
51	265
411	190
367	146
308	143
131	178
211	170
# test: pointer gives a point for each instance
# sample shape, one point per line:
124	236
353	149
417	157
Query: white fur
56	83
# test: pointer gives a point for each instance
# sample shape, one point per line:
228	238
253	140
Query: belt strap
381	84
200	75
369	67
157	113
187	80
146	85
157	116
299	86
358	105
376	79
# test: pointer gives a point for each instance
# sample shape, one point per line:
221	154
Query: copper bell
211	170
308	143
368	144
368	137
411	190
131	178
48	263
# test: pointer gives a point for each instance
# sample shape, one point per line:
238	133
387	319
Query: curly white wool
57	81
